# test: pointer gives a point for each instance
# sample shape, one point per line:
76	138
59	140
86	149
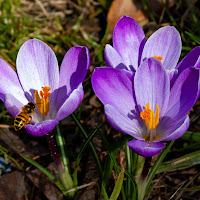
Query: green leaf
184	161
118	186
158	163
189	135
105	196
129	167
93	150
83	148
46	172
113	154
196	39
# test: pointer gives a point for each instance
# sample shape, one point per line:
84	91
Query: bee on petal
24	116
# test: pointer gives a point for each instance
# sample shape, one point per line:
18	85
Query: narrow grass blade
196	39
189	135
129	168
108	166
5	153
83	148
118	186
113	154
46	172
158	163
184	161
105	196
93	150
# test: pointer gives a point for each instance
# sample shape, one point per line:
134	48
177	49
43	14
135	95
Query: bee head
31	104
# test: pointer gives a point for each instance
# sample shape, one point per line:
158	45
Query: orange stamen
148	115
151	122
42	101
158	57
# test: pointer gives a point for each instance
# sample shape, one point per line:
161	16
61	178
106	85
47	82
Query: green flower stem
60	140
143	177
63	171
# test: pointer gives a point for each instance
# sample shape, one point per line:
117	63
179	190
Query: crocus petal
74	68
14	103
191	59
37	66
128	123
113	59
152	85
9	82
179	131
41	128
144	148
172	73
165	42
128	41
114	87
72	102
183	94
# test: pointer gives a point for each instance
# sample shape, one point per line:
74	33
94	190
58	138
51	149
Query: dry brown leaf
125	7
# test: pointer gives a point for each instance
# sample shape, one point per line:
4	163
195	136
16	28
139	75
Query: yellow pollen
158	57
42	101
151	121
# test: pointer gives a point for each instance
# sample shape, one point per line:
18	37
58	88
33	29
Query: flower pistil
42	100
151	122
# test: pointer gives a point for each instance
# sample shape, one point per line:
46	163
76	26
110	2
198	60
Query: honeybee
24	116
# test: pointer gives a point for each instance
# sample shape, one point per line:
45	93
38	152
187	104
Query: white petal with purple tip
152	86
129	123
37	66
71	103
128	41
165	42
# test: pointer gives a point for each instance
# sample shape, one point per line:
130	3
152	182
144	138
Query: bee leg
30	118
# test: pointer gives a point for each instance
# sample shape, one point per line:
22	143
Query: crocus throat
158	57
151	122
42	100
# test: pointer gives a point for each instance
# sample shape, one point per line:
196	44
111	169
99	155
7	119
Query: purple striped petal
179	130
183	94
114	87
113	59
41	128
144	148
129	123
14	103
165	42
74	68
37	66
152	86
70	105
190	60
9	83
128	41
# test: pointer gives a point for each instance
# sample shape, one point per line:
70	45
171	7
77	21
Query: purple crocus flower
130	48
38	80
143	105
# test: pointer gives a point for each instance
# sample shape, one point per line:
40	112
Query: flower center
151	122
158	57
42	100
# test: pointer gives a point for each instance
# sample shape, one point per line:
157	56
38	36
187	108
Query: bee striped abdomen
24	116
21	120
